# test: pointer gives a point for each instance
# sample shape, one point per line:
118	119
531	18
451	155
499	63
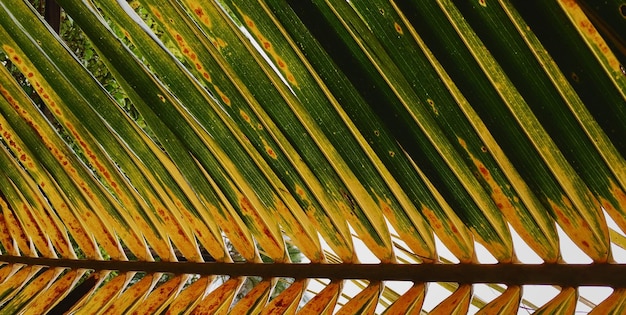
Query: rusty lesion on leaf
269	149
398	28
269	49
500	199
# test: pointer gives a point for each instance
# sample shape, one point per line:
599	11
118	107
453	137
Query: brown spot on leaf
300	191
398	28
271	153
244	116
225	99
484	171
291	79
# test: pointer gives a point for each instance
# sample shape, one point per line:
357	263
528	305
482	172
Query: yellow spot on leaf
300	191
588	30
483	3
223	96
269	48
220	43
245	116
201	14
432	105
501	200
269	150
156	13
398	28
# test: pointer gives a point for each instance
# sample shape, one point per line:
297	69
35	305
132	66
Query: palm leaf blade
224	136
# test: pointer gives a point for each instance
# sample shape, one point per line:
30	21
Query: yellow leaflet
365	302
579	230
506	303
300	231
161	296
272	245
54	293
288	300
592	37
190	296
564	303
255	300
229	222
6	240
614	304
128	300
219	300
33	228
40	283
92	219
13	284
422	245
15	230
509	207
455	304
410	303
323	302
103	296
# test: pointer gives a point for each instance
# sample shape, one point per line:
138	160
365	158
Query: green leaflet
60	176
299	128
584	212
179	133
457	119
332	121
591	153
243	109
448	227
428	139
128	207
581	83
245	167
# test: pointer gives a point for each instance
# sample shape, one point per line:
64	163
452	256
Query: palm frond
405	129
